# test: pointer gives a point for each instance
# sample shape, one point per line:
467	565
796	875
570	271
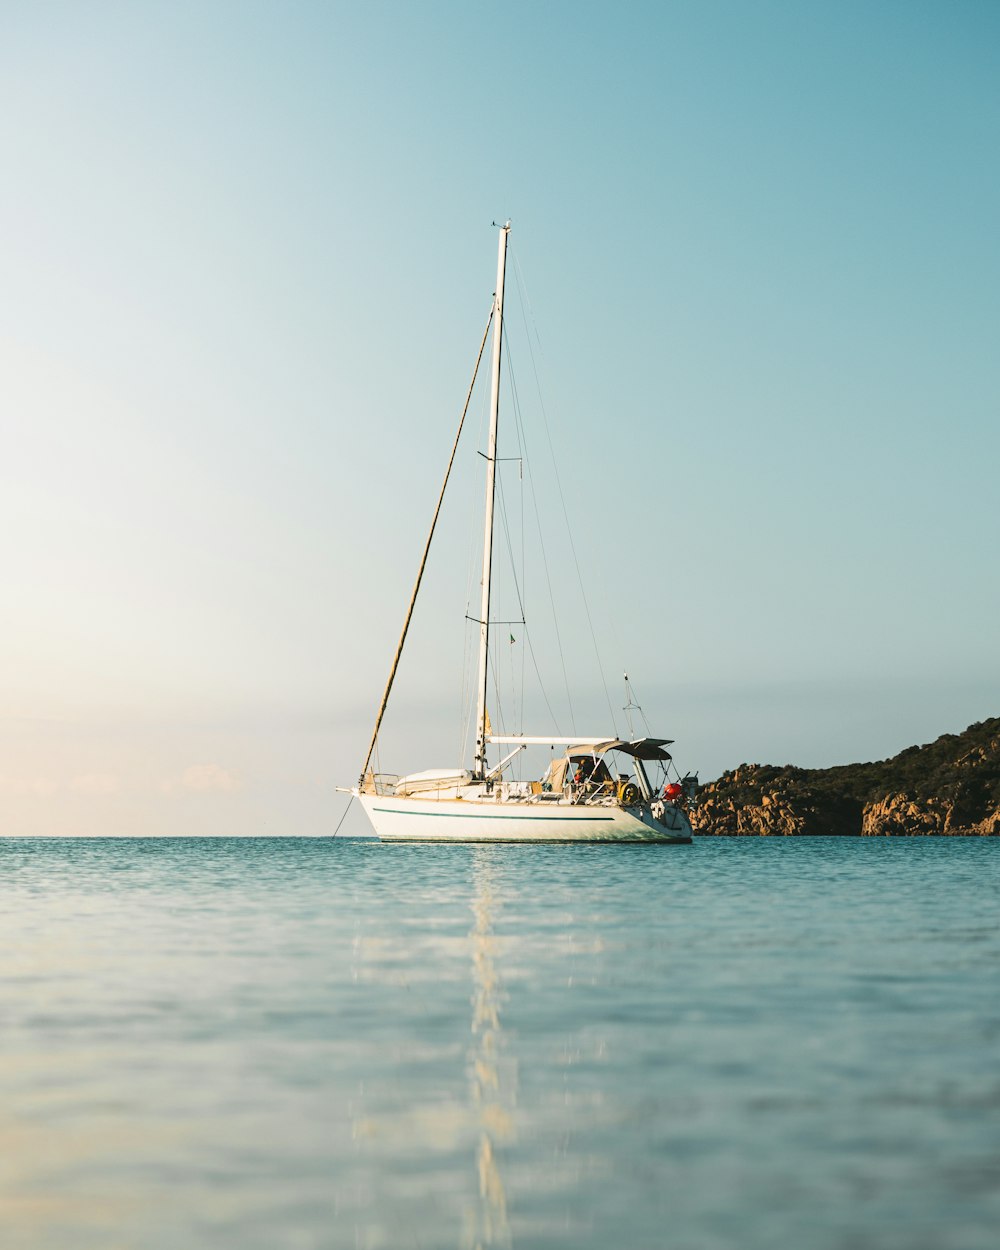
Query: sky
247	258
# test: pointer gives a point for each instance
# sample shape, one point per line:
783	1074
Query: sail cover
433	781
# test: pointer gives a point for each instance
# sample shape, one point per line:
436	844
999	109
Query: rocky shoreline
950	787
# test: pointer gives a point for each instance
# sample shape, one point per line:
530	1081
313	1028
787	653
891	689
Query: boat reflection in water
492	1089
432	1111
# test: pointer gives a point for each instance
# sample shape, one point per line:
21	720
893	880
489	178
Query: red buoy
672	791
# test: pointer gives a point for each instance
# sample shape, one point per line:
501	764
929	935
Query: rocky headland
950	787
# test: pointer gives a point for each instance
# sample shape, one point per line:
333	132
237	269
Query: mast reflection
491	1095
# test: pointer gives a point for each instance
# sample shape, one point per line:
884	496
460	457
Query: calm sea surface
243	1044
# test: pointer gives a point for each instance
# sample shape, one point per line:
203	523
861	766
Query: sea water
257	1044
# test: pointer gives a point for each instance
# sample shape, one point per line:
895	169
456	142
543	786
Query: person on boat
592	776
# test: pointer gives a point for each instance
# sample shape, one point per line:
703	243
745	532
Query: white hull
464	820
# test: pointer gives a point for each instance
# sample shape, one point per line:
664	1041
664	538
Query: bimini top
640	748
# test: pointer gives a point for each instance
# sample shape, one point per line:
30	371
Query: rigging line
503	516
423	562
513	689
466	731
496	690
553	721
541	545
518	714
522	691
555	617
649	730
516	576
510	548
524	297
505	521
522	294
527	311
513	574
465	708
344	816
569	528
632	706
524	575
520	602
523	447
630	695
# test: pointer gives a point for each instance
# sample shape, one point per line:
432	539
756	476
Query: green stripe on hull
402	811
655	839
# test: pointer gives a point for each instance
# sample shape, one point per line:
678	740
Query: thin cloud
27	786
205	778
96	783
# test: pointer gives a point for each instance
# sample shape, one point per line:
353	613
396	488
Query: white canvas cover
433	780
555	774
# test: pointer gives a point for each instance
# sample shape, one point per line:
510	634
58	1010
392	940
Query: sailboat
598	789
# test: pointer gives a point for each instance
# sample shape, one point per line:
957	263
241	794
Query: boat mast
491	469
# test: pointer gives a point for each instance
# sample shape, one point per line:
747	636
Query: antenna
630	706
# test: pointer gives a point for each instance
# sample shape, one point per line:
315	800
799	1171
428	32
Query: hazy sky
246	260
